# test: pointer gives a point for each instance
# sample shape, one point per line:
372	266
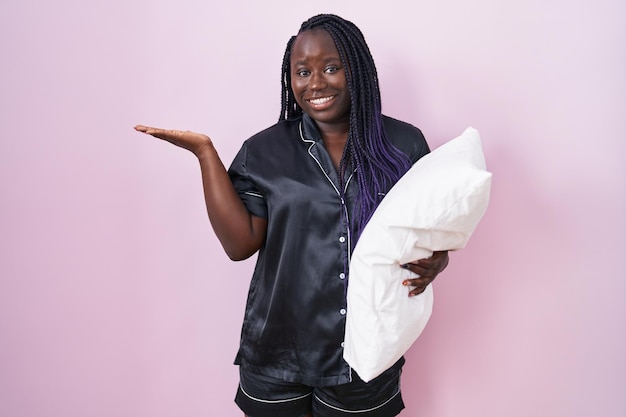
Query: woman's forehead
314	43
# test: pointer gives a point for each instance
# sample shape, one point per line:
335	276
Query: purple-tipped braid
377	162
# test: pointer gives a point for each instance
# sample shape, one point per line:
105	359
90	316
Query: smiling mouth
320	101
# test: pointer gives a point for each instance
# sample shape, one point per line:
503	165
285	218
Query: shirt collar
309	129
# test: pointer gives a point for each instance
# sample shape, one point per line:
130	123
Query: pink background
117	300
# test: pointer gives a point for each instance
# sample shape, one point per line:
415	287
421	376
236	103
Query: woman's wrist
205	151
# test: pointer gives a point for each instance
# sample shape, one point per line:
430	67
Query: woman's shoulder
395	127
406	137
276	133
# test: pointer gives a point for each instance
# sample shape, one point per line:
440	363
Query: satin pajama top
295	314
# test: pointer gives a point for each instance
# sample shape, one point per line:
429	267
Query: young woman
299	193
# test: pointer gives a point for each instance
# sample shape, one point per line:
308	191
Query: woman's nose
317	81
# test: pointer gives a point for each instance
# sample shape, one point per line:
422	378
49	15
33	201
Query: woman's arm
240	233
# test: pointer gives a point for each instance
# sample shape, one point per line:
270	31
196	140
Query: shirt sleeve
407	138
244	184
420	146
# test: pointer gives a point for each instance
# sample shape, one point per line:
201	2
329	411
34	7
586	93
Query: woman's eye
332	69
302	73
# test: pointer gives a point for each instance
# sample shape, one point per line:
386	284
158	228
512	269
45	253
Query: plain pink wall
115	297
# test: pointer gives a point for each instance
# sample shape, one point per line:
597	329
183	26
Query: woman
299	193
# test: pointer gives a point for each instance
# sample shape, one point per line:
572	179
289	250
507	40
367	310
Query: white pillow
435	206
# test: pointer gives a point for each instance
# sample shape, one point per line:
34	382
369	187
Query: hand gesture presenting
192	141
240	233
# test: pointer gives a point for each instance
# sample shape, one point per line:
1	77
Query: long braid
377	162
289	107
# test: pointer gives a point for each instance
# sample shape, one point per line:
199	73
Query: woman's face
318	78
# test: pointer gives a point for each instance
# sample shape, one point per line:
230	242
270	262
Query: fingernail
405	282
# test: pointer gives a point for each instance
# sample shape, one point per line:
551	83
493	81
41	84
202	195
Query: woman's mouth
320	103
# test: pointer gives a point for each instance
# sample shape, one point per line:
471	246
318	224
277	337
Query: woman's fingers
166	134
426	271
417	291
192	141
419	285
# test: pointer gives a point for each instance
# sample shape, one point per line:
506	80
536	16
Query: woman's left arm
427	269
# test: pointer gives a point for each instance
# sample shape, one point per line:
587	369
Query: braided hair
377	162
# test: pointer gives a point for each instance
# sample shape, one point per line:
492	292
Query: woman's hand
427	269
192	141
240	233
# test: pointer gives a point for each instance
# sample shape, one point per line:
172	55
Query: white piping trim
316	160
312	143
273	401
253	194
357	411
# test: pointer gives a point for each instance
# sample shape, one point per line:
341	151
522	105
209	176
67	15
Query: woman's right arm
240	233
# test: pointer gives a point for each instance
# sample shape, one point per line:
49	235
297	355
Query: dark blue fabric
265	396
295	314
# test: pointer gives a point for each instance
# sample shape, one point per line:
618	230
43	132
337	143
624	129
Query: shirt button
343	344
342	311
342	239
342	276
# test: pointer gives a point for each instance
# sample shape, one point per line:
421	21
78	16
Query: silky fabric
295	314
